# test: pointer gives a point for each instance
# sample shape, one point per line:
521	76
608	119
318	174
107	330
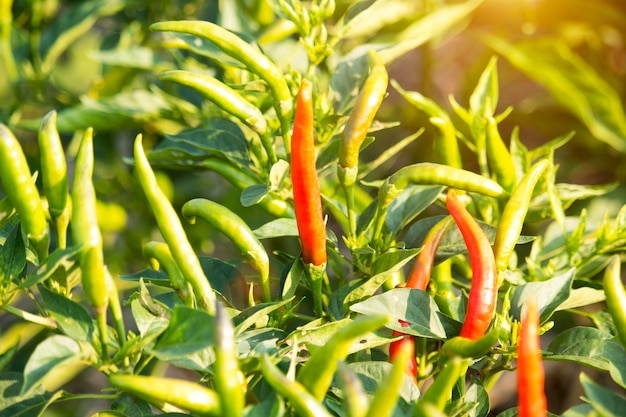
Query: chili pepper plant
347	278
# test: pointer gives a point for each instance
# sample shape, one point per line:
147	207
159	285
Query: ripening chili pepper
172	231
616	296
233	226
418	279
306	190
306	194
484	290
317	373
158	255
161	392
54	175
228	100
85	232
226	373
254	60
21	190
367	103
513	215
303	402
530	373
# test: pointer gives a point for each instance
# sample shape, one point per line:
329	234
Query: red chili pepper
530	373
419	278
483	293
306	190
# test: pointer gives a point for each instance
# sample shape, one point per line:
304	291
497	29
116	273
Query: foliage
214	111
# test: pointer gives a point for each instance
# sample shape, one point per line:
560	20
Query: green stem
30	317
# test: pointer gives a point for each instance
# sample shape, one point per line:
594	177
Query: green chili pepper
387	393
160	392
226	374
21	190
499	157
468	348
85	232
427	173
444	288
367	103
172	231
483	293
159	255
317	373
513	215
530	372
354	401
54	175
252	58
305	404
616	296
233	226
228	100
439	393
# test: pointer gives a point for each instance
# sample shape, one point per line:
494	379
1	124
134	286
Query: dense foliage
275	207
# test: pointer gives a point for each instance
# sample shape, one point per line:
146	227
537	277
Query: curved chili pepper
252	58
439	393
367	104
160	391
468	348
297	395
158	255
418	278
172	231
387	393
513	215
530	373
616	296
483	293
20	188
317	373
237	231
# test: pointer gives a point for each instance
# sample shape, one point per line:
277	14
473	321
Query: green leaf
218	137
409	204
371	373
72	318
606	403
580	410
296	274
484	99
255	314
416	307
385	266
70	25
253	194
15	404
591	347
60	258
139	57
549	294
55	352
477	395
573	83
12	257
188	340
131	406
277	228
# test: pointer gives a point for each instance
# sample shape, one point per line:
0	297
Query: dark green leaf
60	258
72	318
371	373
55	352
606	403
296	274
477	394
255	314
413	306
253	195
15	404
187	342
549	294
12	257
409	204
